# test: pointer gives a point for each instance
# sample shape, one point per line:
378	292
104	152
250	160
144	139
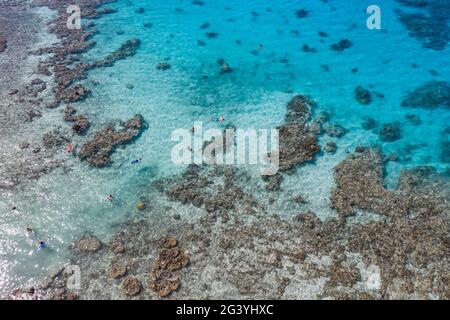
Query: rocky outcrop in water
299	109
301	13
128	49
445	151
117	271
335	130
98	151
330	147
390	132
298	144
55	138
164	278
298	138
73	94
163	66
428	23
131	286
80	123
87	243
431	95
257	253
3	45
363	96
360	184
341	45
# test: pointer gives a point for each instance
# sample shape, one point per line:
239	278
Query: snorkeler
136	161
221	119
42	245
69	148
110	198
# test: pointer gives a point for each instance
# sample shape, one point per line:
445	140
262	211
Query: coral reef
80	123
131	286
301	13
335	130
369	124
429	25
87	243
431	95
255	254
341	45
299	109
74	94
390	132
128	49
98	151
330	147
363	96
164	278
163	66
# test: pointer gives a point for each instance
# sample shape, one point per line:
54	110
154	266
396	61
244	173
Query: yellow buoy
140	205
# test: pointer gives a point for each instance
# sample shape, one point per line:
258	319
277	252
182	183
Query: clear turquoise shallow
61	206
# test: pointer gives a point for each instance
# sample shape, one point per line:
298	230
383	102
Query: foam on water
64	204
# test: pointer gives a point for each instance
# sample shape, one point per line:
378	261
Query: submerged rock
212	35
362	95
434	33
360	183
128	49
74	94
298	144
335	130
299	109
301	13
164	278
273	182
414	119
298	140
117	271
87	243
341	45
445	151
131	286
330	147
54	138
3	45
369	124
390	132
307	48
81	123
163	66
98	151
431	95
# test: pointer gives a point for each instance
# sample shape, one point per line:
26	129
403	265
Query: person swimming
42	245
136	161
69	148
110	198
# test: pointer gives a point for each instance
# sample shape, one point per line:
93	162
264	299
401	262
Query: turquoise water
63	205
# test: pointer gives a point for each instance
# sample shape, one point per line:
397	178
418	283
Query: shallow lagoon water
63	205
